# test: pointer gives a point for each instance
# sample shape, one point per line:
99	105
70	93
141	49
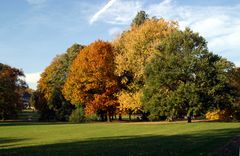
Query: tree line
153	68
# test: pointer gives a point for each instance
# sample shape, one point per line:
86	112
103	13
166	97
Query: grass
115	139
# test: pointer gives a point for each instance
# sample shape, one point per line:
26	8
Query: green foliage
11	87
38	101
133	49
52	81
92	117
77	115
139	18
235	83
184	78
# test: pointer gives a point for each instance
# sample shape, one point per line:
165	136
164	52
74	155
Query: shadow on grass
2	124
8	142
199	143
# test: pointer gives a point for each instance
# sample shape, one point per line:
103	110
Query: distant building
26	100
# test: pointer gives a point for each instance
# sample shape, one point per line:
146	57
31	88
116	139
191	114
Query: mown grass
115	139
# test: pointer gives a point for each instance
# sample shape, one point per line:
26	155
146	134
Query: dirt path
160	122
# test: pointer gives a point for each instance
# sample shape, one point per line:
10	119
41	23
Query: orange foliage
91	80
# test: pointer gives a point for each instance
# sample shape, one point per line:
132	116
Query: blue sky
33	32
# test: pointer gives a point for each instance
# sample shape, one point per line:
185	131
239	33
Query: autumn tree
52	80
133	49
11	85
91	81
185	79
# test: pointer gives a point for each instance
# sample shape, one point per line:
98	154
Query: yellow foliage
218	115
134	47
129	101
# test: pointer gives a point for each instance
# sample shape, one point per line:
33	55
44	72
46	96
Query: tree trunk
130	116
102	116
130	112
189	118
120	117
108	117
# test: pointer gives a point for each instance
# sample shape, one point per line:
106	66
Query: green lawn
115	138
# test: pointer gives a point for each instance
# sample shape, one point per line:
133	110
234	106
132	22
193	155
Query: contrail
97	14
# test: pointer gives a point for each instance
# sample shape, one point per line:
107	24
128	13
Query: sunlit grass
114	139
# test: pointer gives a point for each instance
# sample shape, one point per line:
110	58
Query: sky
33	32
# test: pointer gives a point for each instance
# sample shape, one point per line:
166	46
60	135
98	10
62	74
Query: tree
11	85
184	78
140	18
53	79
91	81
133	49
38	101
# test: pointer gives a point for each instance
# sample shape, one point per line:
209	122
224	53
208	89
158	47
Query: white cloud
117	12
32	79
220	25
114	31
101	11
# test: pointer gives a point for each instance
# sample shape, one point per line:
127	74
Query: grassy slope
115	139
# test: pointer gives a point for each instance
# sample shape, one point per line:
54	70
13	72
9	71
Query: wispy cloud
117	12
101	11
220	25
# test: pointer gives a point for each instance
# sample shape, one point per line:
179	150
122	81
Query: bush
92	117
218	115
77	115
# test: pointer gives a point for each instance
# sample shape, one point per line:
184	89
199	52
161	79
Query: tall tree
91	81
11	86
53	79
184	78
133	49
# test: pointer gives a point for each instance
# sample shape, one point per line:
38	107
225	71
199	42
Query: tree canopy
11	86
140	18
184	78
91	81
133	49
52	80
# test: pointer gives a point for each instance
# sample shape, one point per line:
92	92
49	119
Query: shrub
77	115
92	117
218	115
